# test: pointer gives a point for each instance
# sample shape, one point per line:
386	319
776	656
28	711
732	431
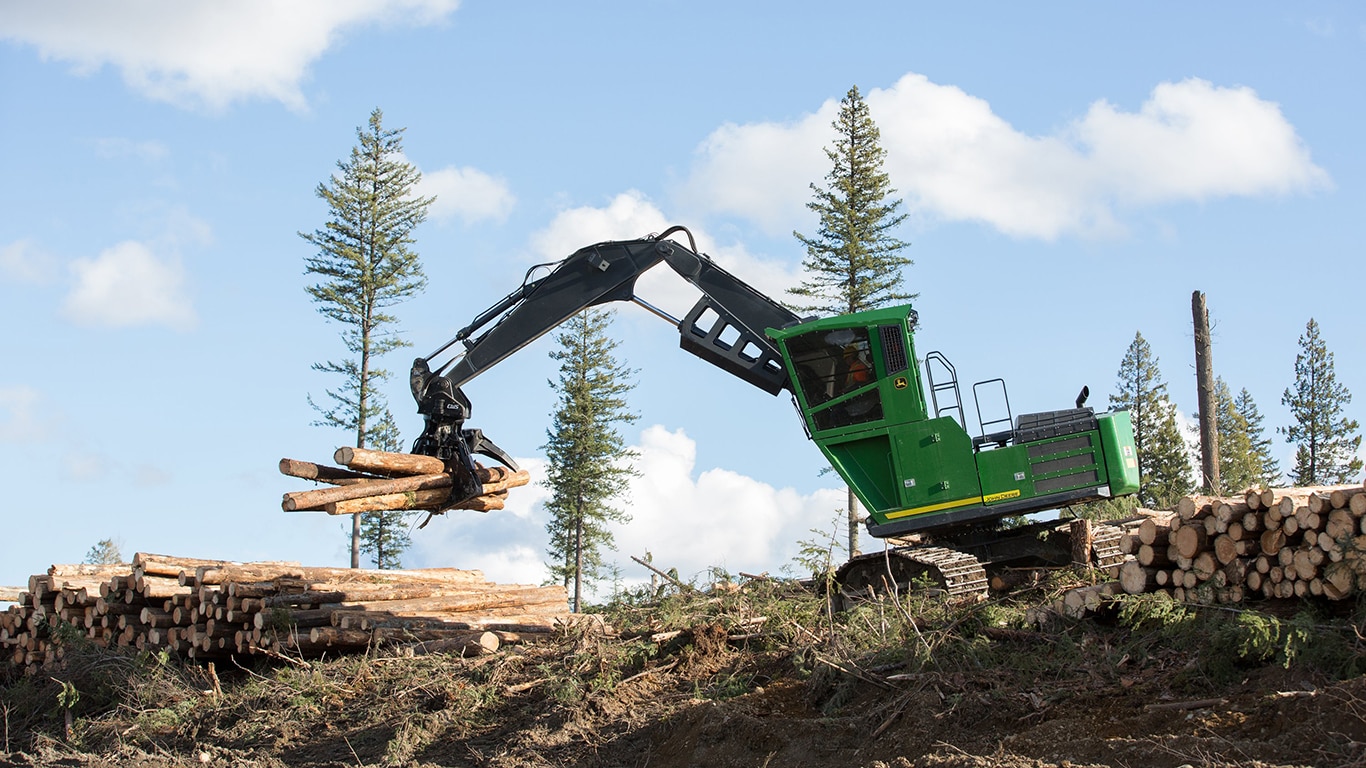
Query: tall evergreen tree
384	534
1163	455
589	465
105	552
853	262
1244	454
1269	469
1326	441
1237	468
365	264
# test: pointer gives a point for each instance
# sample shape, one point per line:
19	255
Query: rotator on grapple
899	438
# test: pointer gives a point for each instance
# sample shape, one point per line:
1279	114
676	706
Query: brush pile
217	609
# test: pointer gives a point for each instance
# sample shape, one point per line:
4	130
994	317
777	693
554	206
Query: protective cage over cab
912	463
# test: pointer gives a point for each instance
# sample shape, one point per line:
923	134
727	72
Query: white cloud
128	285
687	520
23	262
203	52
467	193
19	420
720	518
949	156
631	215
147	151
82	466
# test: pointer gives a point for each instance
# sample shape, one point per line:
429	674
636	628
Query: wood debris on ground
215	609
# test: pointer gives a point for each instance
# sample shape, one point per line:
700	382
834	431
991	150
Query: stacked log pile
216	609
374	481
1265	543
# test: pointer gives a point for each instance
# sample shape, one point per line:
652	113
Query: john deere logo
901	383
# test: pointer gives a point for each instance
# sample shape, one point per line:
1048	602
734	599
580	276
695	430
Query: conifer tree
384	534
588	463
1325	440
853	262
1168	466
1269	469
1244	454
365	264
1237	467
1163	455
105	552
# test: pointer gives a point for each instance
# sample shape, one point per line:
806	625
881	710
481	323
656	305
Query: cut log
1150	531
1136	578
388	463
390	502
315	499
307	470
473	643
1081	536
1150	556
1225	549
1205	566
1272	541
1191	507
1190	540
493	480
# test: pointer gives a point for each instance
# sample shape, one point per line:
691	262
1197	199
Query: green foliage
384	534
1105	509
1325	444
365	264
588	463
1245	459
853	262
1269	467
105	552
1163	455
819	556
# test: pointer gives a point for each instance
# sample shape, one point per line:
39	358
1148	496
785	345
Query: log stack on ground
217	609
1264	543
374	481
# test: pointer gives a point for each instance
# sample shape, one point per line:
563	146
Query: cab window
831	364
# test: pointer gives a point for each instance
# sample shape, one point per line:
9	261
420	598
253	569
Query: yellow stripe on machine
935	507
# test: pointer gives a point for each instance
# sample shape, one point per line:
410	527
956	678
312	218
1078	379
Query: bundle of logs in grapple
1274	543
214	609
373	481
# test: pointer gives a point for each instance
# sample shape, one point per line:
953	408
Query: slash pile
216	609
1271	543
373	481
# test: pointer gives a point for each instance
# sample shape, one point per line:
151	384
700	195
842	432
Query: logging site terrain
276	664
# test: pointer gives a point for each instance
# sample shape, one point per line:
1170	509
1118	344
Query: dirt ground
702	698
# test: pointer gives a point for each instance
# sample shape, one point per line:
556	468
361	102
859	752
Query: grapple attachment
444	436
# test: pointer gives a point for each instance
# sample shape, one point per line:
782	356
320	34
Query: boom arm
725	327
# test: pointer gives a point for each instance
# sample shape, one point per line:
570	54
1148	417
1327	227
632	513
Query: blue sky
1072	173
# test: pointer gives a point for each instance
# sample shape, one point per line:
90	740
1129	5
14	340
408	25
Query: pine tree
853	262
1244	454
1269	469
1237	461
1163	455
1325	446
105	552
1168	466
589	465
384	534
365	265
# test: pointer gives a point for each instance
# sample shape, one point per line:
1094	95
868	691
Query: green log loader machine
900	439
